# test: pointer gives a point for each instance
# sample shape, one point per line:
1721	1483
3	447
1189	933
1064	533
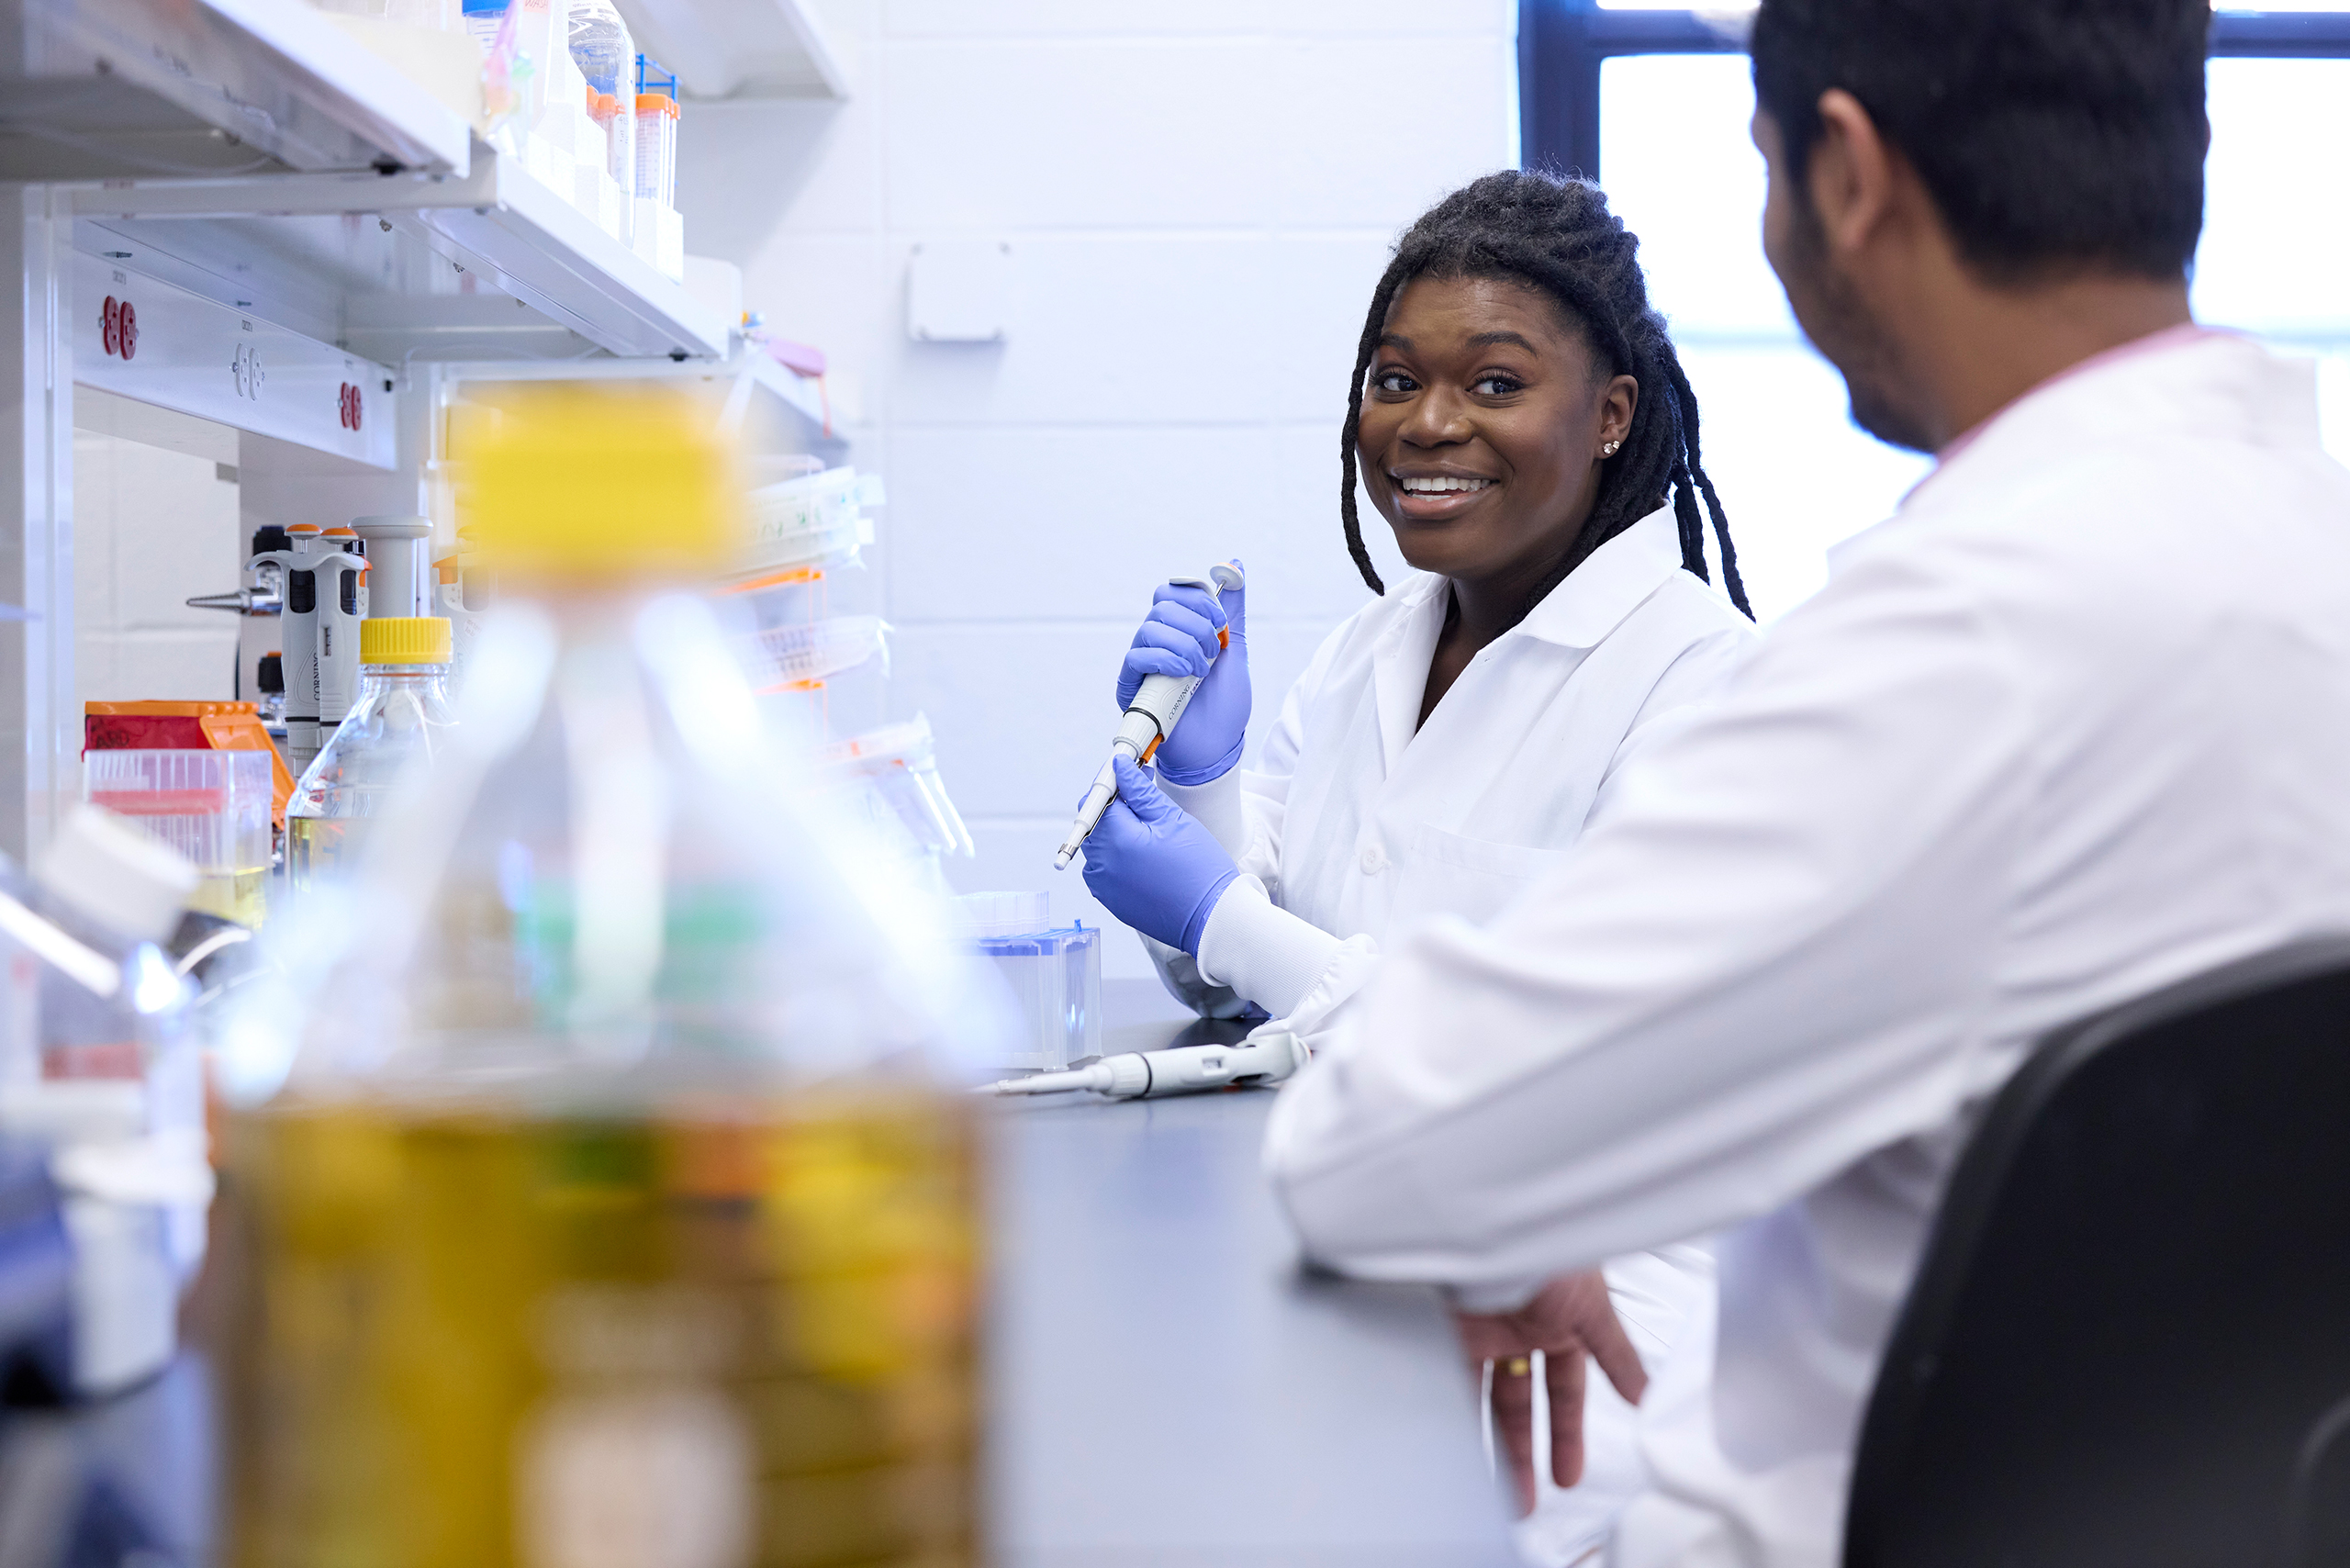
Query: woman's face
1483	427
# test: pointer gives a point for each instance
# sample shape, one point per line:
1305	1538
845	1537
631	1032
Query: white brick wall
1199	198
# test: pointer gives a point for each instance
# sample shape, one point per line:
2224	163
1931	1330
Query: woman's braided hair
1557	235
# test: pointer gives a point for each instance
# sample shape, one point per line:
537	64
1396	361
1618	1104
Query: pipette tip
1061	860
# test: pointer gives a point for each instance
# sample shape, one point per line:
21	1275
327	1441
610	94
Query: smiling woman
1524	427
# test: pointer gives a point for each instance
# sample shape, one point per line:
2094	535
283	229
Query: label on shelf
137	337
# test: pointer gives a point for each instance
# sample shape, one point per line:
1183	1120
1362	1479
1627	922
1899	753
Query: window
1795	475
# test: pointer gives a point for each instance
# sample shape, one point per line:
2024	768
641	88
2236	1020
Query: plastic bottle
120	1094
603	1197
602	47
483	18
402	715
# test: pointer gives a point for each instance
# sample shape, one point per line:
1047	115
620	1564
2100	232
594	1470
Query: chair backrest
2127	1342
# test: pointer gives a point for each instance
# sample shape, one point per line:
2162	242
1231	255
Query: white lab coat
2073	726
1359	823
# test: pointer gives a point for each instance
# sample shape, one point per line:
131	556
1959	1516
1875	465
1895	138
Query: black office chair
2128	1341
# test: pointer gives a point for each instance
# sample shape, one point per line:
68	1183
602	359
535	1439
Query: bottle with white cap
118	1095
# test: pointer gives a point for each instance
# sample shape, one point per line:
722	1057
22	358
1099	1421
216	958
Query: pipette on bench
1261	1060
1149	719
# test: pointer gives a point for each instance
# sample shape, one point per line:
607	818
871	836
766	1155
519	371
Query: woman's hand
1179	638
1153	866
1571	1318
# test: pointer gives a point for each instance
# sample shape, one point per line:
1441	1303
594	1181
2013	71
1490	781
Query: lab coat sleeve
1765	959
1245	810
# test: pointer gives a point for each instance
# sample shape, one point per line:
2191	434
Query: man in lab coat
2072	726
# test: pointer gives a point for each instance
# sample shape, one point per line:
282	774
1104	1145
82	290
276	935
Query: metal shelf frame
270	77
495	221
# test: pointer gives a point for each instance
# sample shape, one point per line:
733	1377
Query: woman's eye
1494	387
1394	381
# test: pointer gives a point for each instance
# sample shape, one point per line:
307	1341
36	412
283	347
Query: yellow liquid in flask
703	1338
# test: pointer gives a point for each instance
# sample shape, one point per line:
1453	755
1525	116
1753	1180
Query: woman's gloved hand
1153	866
1179	638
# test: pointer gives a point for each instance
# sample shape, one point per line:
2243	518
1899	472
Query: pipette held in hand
1261	1060
1149	719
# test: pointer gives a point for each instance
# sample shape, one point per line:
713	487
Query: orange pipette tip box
186	726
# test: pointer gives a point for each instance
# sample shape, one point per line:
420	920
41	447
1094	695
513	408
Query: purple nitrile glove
1179	638
1153	866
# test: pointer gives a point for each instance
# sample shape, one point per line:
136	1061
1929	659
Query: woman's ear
1616	406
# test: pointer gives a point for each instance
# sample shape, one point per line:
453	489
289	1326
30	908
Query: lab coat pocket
1448	873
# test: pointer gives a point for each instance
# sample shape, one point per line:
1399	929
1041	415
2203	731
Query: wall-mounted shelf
757	387
490	264
108	89
739	49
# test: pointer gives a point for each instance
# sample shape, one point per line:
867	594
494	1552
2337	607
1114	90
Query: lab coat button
1374	860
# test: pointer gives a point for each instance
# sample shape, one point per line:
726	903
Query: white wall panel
150	527
1373	130
1171	329
1044	134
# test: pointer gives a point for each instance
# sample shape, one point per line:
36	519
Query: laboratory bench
1166	1386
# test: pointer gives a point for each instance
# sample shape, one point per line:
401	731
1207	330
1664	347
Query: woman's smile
1437	495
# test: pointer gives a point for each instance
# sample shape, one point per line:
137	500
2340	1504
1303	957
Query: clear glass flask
402	716
604	1204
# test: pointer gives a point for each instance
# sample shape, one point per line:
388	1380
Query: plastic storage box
211	806
1054	977
784	658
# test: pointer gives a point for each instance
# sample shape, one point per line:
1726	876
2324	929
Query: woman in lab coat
1519	417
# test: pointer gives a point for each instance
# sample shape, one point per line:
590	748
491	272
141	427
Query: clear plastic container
901	762
814	520
656	149
213	807
784	658
482	20
402	719
1054	976
602	47
604	1197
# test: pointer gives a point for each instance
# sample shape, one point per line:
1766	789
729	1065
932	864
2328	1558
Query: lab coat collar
1580	612
1611	583
2179	382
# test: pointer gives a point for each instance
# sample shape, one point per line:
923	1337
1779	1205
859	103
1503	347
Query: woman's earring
1610	450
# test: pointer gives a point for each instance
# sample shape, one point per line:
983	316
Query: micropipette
1184	1070
1150	718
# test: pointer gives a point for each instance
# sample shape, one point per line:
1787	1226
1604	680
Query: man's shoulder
2117	550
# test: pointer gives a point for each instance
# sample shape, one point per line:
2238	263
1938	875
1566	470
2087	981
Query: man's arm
1768	956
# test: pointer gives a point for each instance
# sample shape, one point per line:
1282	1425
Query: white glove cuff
1265	954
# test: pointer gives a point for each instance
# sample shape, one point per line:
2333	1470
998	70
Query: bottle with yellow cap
401	717
602	1201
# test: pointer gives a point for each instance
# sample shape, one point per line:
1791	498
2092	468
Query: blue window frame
1795	475
1562	43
